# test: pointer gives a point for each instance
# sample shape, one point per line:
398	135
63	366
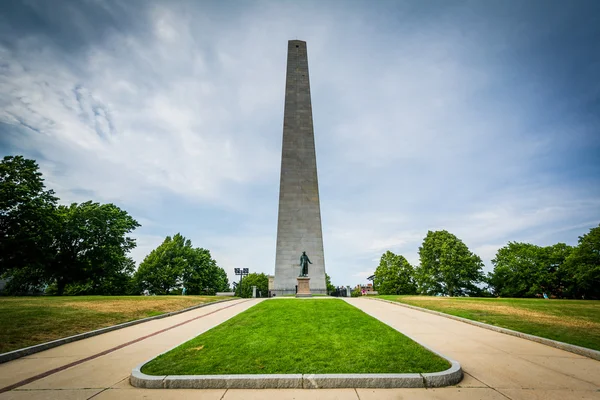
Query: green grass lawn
25	321
298	336
570	321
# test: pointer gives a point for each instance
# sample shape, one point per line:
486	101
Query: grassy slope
298	336
25	321
570	321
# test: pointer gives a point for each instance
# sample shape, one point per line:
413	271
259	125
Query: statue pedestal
303	287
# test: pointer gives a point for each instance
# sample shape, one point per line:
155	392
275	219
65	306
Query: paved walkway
93	378
497	366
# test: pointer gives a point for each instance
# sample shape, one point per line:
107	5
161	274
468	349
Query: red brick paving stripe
74	363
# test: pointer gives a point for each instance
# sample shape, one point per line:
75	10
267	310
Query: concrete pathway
497	366
119	351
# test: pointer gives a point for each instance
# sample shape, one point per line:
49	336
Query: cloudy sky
478	117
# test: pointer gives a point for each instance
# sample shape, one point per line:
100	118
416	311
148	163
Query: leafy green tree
582	266
83	245
91	245
553	277
527	270
175	264
394	275
447	266
516	270
162	269
201	275
27	224
330	287
261	281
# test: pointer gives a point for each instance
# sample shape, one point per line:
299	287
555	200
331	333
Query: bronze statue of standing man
304	261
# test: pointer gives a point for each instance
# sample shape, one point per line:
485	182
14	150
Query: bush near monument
292	336
26	321
571	321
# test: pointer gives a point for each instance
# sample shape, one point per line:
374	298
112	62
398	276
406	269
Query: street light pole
241	272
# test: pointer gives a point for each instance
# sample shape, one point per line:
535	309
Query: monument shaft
299	219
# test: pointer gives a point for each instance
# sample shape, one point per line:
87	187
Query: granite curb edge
451	376
26	351
582	351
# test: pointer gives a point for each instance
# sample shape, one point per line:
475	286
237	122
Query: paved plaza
496	366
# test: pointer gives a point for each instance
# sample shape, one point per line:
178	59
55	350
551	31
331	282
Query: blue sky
482	118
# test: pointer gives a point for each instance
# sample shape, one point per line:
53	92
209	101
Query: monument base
303	287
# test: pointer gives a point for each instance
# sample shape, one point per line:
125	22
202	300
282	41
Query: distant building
366	289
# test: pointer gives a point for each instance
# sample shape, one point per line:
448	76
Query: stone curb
451	376
12	355
582	351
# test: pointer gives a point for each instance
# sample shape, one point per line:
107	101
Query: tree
526	270
582	266
175	264
516	270
553	277
328	285
447	266
27	224
83	245
91	246
201	275
394	275
261	281
162	269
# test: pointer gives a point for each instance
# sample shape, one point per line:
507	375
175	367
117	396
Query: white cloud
415	123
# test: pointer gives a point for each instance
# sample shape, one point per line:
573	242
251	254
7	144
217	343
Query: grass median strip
298	337
570	321
26	321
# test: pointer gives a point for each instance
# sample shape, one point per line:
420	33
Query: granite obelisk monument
299	219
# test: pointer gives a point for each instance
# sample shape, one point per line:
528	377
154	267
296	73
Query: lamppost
241	272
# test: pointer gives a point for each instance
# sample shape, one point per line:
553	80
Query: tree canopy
516	270
175	264
448	266
92	246
582	267
527	270
394	275
46	244
28	222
